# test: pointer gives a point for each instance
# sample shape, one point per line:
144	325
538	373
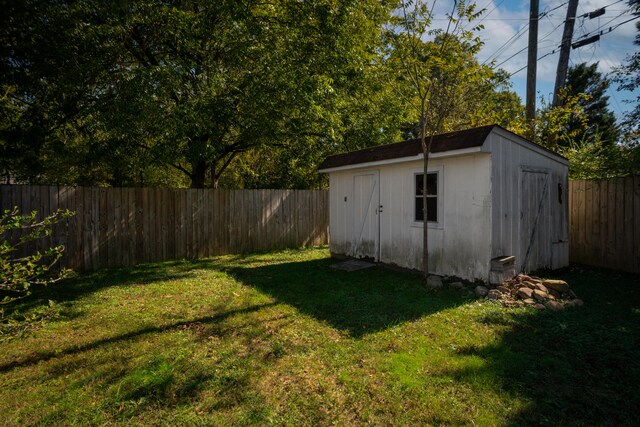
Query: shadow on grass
359	302
579	366
44	356
76	287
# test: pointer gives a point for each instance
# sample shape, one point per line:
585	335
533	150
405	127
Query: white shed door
535	222
365	224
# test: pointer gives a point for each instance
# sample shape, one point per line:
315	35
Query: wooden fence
116	227
604	217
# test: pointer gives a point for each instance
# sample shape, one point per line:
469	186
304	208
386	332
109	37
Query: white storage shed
491	194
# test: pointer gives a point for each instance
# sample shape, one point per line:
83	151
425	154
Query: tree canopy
183	84
628	78
199	93
599	122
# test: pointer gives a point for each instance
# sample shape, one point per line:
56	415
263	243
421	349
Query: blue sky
504	19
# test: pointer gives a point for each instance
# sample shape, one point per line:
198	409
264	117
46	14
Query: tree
551	124
628	78
590	159
431	72
188	85
600	121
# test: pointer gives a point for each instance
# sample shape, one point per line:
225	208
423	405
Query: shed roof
468	138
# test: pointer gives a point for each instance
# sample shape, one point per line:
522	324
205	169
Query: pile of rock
542	294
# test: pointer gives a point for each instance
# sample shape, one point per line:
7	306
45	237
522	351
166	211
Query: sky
504	19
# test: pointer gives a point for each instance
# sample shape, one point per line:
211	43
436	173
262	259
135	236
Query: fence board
51	193
636	214
75	231
133	242
620	226
226	223
116	227
628	225
87	232
594	212
602	219
605	223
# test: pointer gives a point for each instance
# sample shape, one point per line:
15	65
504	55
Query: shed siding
459	245
509	160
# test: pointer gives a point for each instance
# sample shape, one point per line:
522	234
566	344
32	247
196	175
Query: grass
281	338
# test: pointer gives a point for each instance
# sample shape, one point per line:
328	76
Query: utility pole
565	49
532	61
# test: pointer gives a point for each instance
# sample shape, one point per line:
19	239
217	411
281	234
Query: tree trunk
425	165
198	174
425	227
215	177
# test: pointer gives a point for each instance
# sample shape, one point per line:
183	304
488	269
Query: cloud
505	37
506	21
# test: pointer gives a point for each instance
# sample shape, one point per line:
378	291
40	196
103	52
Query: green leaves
138	90
438	76
21	265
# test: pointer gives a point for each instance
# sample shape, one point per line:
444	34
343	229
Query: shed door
535	222
365	224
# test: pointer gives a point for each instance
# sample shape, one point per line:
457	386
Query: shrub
19	270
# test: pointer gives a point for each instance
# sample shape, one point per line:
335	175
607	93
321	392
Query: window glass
432	198
432	184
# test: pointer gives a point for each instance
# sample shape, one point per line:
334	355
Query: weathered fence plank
605	223
116	227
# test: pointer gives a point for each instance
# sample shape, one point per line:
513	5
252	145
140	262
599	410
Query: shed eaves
458	140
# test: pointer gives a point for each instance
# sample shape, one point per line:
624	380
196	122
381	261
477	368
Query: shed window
432	198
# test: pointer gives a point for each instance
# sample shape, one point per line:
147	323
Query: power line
603	7
552	31
489	13
520	33
543	56
557	7
554	50
598	30
502	48
520	51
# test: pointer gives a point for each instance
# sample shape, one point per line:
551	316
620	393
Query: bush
20	271
594	160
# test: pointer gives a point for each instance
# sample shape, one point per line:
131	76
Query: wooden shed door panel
535	222
365	225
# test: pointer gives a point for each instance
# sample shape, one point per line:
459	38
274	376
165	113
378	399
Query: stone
481	291
558	285
539	295
539	306
568	304
555	293
524	277
529	285
551	297
529	301
578	302
555	306
541	287
494	294
456	285
434	282
504	290
525	293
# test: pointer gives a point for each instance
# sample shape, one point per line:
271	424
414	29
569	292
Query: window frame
438	171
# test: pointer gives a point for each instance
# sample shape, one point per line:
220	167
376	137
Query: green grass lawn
281	338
